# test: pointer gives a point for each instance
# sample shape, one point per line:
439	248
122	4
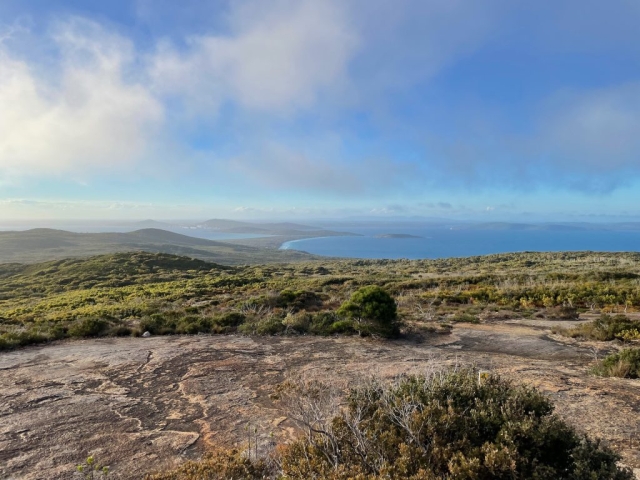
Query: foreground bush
623	364
451	425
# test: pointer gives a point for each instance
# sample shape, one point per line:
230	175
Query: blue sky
495	110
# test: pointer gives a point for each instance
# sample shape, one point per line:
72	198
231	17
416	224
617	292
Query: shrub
373	311
298	322
11	340
89	327
464	317
267	326
452	425
606	328
321	323
219	465
158	324
342	326
298	300
231	319
561	312
623	364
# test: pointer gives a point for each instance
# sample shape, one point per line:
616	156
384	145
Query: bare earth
143	404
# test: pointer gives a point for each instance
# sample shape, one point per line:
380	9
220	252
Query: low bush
464	317
267	326
218	465
606	328
89	327
11	340
561	312
451	425
623	364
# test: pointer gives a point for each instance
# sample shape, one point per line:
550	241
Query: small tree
373	312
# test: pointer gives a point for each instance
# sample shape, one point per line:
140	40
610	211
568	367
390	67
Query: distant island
395	235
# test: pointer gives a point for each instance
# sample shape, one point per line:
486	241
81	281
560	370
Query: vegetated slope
43	244
129	293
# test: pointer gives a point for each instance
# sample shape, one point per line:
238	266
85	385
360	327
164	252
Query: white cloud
85	115
278	57
595	131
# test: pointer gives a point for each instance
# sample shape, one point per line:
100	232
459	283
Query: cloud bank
265	75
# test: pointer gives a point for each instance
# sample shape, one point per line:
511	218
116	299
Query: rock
146	334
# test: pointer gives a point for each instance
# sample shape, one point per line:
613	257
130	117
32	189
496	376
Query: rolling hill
43	244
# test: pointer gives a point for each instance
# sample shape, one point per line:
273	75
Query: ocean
444	242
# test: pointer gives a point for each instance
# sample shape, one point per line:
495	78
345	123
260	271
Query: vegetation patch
606	328
448	425
130	293
622	364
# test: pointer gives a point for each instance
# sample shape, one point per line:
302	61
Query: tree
373	311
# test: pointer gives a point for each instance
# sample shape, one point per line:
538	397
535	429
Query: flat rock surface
145	404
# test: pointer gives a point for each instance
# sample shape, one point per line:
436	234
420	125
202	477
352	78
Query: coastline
277	242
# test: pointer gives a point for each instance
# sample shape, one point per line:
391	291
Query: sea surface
444	242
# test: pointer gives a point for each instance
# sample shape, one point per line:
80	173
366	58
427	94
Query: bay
440	242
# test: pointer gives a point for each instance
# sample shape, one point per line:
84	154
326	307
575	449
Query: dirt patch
147	404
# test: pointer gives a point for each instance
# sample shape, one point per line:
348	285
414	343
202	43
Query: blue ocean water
440	242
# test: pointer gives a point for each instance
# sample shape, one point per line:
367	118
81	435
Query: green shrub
158	324
231	319
342	326
452	425
623	364
606	328
298	300
11	340
464	317
455	425
89	327
267	326
321	323
373	312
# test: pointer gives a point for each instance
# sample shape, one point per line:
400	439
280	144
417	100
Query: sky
492	110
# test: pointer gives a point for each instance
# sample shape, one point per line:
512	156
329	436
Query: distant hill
555	227
43	244
278	229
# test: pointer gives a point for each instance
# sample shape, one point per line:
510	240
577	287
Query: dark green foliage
268	326
623	364
373	312
298	300
448	426
464	317
232	319
89	327
561	312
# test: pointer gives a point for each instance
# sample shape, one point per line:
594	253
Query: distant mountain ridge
557	227
43	244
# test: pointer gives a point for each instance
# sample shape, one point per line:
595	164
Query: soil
147	404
